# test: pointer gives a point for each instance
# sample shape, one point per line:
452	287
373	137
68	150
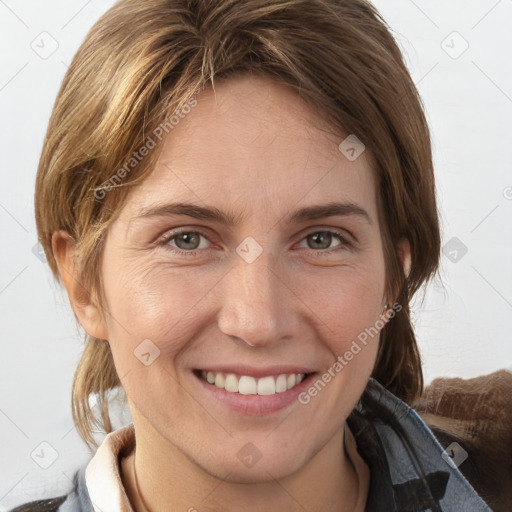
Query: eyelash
164	241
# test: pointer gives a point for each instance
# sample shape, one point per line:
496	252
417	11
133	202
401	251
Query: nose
258	305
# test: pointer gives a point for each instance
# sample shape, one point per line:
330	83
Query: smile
247	385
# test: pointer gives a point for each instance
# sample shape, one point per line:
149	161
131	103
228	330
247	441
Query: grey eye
320	240
187	241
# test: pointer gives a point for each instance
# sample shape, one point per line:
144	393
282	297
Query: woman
239	199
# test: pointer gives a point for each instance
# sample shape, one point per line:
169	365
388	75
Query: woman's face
226	260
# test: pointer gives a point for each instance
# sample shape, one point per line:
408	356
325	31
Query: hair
143	61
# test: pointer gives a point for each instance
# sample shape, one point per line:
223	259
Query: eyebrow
312	212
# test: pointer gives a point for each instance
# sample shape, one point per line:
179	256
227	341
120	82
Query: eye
186	242
324	239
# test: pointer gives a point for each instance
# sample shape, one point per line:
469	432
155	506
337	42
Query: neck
168	480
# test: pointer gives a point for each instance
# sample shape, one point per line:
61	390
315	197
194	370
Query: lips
253	390
256	395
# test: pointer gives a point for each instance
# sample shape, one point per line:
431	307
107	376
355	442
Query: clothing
477	414
395	482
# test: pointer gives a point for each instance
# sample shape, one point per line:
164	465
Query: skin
253	148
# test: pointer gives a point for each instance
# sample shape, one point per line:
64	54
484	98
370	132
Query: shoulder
471	418
48	505
409	467
76	500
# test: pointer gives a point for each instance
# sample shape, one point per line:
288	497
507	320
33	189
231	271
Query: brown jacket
476	414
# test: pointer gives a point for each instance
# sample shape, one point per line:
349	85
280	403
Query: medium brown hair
142	61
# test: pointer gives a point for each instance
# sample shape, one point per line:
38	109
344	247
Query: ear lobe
86	310
404	252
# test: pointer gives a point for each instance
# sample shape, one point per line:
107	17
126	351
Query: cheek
346	300
349	318
348	308
156	302
151	319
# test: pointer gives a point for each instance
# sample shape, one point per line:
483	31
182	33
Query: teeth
247	385
231	383
281	384
266	386
219	380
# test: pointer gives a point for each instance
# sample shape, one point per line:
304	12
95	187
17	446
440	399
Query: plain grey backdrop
458	53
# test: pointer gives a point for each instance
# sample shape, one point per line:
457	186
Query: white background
463	325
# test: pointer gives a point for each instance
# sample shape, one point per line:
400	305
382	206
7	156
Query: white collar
103	476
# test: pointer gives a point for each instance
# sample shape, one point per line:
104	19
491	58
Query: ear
86	310
404	252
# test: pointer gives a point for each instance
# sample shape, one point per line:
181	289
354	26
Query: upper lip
251	371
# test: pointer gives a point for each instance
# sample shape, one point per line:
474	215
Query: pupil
319	237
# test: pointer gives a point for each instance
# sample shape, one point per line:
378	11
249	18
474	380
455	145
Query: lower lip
255	405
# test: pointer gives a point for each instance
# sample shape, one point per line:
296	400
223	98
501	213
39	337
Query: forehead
256	146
